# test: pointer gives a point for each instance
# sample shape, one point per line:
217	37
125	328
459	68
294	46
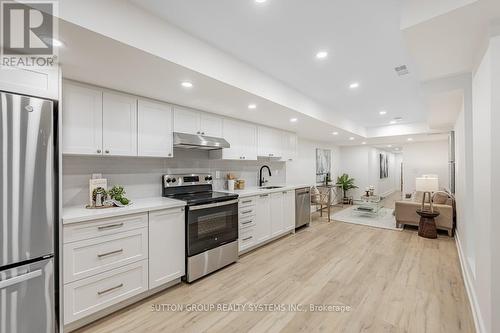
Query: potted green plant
346	184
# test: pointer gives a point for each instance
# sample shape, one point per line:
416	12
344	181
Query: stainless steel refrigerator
28	209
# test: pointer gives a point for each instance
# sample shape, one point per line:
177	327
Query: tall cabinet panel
82	119
119	124
154	122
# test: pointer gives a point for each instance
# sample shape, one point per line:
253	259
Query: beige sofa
406	212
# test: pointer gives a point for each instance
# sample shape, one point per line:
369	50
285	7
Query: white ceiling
281	38
93	58
453	43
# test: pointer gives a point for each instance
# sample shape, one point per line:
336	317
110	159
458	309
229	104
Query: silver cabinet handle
264	195
271	155
20	278
101	292
248	238
98	151
247	211
215	204
110	226
247	222
246	201
101	255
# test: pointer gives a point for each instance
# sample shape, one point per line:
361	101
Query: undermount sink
270	187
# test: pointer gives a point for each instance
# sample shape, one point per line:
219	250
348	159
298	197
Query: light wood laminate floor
393	281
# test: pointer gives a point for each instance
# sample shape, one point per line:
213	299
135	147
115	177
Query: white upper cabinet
166	246
186	120
277	214
154	124
210	125
290	143
289	210
196	122
242	137
34	81
82	119
270	142
119	123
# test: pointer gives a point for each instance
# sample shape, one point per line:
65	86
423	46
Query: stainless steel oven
211	223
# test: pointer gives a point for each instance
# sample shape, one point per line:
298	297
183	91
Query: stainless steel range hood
191	141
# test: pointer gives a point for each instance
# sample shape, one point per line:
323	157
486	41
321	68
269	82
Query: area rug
384	220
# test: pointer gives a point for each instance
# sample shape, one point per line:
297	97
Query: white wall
478	231
303	169
141	177
362	164
425	158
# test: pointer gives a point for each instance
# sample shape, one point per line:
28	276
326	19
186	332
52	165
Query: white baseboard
469	287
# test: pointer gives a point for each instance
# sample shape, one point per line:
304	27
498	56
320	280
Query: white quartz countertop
253	190
76	214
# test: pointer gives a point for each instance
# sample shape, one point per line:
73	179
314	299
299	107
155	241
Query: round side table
427	226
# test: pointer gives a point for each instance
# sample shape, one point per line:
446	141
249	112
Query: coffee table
367	206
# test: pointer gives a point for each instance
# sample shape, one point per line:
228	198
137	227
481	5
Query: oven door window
211	227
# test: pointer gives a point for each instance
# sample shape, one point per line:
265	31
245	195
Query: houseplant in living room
346	183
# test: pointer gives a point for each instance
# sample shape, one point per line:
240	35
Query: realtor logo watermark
28	33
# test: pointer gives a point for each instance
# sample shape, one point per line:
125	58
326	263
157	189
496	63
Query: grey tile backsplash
141	177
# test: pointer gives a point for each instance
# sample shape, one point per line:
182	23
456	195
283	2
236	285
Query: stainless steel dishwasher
302	206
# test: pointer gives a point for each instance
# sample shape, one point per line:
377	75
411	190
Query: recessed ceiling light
187	84
335	133
351	138
354	85
392	122
260	1
383	112
389	146
363	143
252	106
396	149
321	55
410	139
293	120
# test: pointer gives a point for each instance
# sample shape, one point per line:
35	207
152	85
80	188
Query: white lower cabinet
87	296
110	260
277	214
166	246
289	210
265	217
93	256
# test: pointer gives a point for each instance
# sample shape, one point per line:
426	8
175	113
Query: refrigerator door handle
20	278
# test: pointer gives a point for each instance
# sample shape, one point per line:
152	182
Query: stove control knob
174	180
208	178
169	180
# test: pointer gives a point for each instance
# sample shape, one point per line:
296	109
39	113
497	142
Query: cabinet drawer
246	212
244	202
247	238
103	227
92	256
84	297
246	222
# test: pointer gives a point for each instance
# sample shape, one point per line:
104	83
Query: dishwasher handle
302	191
